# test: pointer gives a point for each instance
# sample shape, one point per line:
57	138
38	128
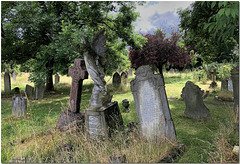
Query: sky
155	14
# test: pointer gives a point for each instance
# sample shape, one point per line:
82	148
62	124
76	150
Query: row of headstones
118	79
7	81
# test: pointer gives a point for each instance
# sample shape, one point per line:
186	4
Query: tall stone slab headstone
195	107
29	90
7	83
19	106
235	81
230	85
39	91
116	81
151	104
57	79
124	78
72	116
14	76
224	85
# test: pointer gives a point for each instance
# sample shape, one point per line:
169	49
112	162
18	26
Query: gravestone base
69	119
103	121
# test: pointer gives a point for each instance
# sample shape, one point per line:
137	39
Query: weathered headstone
154	117
116	81
7	83
19	106
124	78
29	90
172	71
130	72
235	81
230	85
57	79
39	91
224	85
72	115
14	76
103	121
195	107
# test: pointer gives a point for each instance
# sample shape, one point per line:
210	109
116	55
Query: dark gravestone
72	115
15	90
40	89
14	76
19	106
29	91
224	85
124	78
103	121
155	122
7	83
116	81
57	79
195	107
235	81
130	72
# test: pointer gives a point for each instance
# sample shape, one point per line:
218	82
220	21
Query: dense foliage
159	51
47	33
212	29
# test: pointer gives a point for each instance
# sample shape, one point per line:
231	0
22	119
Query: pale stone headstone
103	121
116	81
7	83
39	91
57	79
72	115
19	106
14	76
230	85
195	107
29	91
124	78
172	70
151	104
235	81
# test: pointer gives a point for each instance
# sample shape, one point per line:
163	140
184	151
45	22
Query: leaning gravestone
7	83
124	78
29	91
195	107
57	79
72	115
39	94
235	80
19	106
152	107
116	81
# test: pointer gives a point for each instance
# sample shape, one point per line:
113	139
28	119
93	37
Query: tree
210	30
47	32
159	51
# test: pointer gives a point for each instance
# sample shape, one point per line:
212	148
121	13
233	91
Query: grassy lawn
35	137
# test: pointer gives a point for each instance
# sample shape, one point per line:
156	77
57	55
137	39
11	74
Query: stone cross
214	73
78	73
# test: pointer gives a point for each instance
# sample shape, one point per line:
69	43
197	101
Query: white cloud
156	8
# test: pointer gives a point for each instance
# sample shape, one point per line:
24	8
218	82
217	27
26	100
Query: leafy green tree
210	30
48	32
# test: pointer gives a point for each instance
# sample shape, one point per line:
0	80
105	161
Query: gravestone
172	71
230	85
72	115
124	78
19	106
57	79
116	81
102	122
14	76
195	107
39	91
224	85
235	80
154	117
130	72
7	83
29	91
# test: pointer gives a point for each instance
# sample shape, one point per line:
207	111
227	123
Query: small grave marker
19	106
116	81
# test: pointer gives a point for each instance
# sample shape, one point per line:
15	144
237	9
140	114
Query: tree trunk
49	78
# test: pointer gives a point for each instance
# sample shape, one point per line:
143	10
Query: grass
35	138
